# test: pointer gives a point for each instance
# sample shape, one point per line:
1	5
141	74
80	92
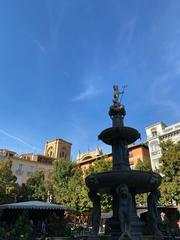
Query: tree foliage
170	170
102	165
8	183
68	184
143	165
34	189
22	228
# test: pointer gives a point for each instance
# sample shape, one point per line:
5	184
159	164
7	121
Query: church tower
58	148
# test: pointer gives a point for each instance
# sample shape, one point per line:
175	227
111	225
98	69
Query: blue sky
59	60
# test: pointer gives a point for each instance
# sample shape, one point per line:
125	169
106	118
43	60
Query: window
155	148
20	168
50	151
30	170
154	132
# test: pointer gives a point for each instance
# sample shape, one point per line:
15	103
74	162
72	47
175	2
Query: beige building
58	148
25	164
23	168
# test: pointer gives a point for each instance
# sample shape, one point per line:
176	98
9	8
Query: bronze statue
117	109
125	203
153	216
116	94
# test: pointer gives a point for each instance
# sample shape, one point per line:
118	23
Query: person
44	227
125	203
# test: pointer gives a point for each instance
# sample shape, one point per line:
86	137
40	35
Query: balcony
154	153
152	136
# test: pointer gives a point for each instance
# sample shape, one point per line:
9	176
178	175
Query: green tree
61	175
24	193
22	228
69	185
8	183
143	165
34	189
102	165
76	187
170	170
141	199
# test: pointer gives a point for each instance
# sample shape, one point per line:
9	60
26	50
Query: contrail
40	46
18	139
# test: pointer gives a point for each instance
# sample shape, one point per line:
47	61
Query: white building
160	132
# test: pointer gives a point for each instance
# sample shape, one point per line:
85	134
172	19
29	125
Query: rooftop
35	205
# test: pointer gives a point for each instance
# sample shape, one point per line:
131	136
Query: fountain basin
113	135
137	181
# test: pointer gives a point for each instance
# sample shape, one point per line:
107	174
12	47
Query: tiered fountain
122	182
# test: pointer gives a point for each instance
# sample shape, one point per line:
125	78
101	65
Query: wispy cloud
88	92
40	46
162	90
19	140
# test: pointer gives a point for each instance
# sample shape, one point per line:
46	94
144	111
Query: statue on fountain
96	214
117	107
153	216
125	202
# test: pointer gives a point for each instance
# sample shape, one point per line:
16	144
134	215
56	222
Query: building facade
136	152
24	165
87	159
157	133
58	148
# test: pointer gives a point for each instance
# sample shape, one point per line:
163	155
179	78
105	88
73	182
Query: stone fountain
122	183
